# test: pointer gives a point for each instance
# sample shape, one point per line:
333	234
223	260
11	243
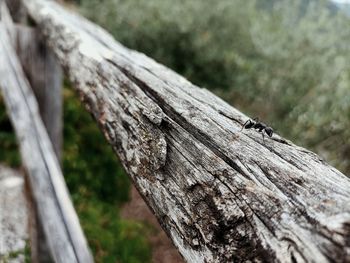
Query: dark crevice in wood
223	226
199	135
226	115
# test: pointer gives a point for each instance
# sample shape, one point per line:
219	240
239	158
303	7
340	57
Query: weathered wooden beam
42	71
45	77
17	10
222	194
6	18
61	225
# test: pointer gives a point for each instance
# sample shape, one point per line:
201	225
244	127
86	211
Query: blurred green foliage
16	256
99	186
112	239
284	61
96	173
96	181
8	144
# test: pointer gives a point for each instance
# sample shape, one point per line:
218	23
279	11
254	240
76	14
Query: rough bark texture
61	226
222	195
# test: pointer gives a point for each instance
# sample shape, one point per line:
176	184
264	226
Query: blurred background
287	62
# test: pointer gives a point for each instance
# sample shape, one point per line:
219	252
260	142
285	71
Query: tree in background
306	51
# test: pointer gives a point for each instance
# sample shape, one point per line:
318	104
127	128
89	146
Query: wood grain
222	195
45	77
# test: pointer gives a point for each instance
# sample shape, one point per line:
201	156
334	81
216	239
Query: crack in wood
222	195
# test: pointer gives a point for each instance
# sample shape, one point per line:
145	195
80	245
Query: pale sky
342	1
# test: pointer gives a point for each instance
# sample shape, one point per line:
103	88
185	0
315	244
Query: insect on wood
259	126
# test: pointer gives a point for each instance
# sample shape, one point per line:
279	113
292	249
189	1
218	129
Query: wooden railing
58	218
221	194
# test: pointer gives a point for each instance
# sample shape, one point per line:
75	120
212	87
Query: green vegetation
111	238
8	144
99	186
284	61
17	255
96	173
96	181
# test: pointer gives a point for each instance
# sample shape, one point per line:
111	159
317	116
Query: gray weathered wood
17	10
39	249
221	194
61	226
45	77
6	18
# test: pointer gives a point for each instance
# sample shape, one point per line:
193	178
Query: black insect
259	126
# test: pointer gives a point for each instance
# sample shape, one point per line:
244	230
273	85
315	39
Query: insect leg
245	124
263	135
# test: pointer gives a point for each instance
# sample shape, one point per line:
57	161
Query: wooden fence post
56	215
17	10
45	77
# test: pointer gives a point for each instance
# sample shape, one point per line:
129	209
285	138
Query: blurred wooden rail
61	226
222	195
